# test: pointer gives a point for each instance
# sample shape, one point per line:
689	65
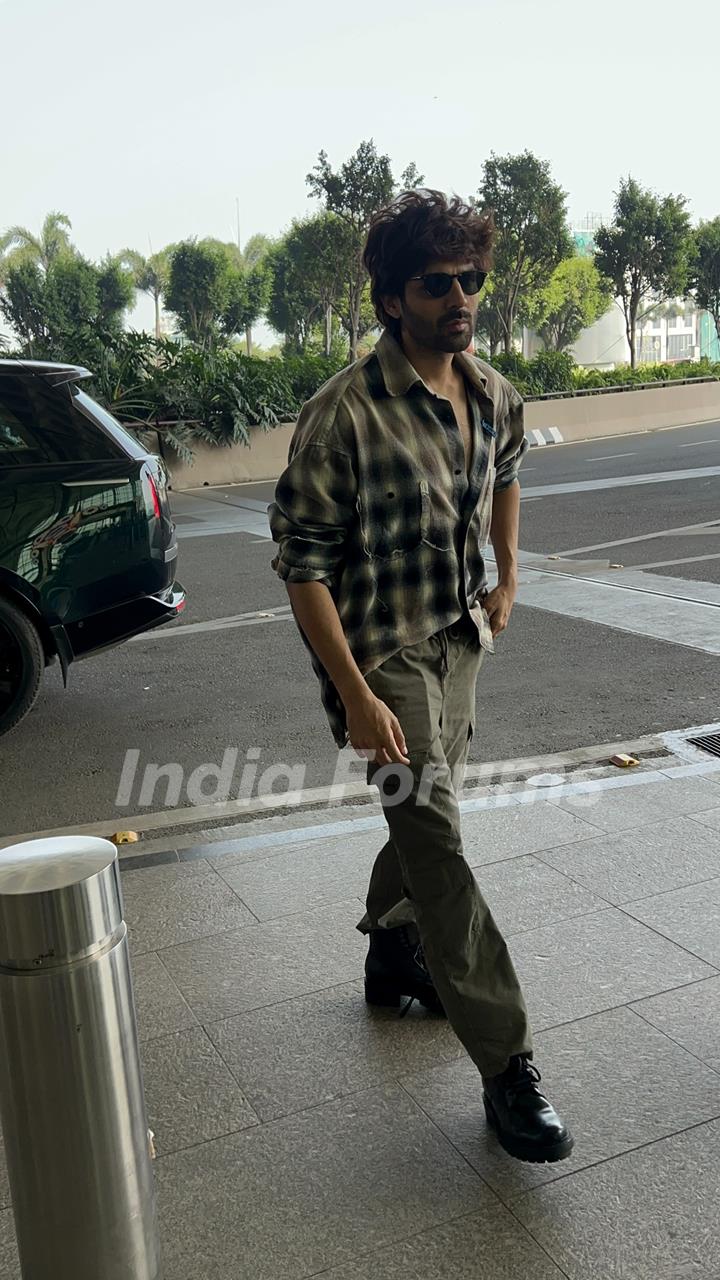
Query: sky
147	121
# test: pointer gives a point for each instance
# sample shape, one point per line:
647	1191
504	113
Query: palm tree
151	275
20	243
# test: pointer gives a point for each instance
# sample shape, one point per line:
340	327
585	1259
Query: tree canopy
575	296
532	234
704	279
645	251
68	310
354	193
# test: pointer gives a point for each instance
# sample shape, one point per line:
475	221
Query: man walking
399	470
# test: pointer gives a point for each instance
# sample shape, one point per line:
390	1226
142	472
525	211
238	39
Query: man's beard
436	336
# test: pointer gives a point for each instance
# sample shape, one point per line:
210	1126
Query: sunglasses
439	283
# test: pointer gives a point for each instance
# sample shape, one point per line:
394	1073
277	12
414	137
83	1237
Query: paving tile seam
648	897
642	1146
696	819
679	1045
203	937
302	995
168	974
665	938
577	883
446	1137
508	1206
543	1029
352	982
382	1082
286	915
360	1258
236	895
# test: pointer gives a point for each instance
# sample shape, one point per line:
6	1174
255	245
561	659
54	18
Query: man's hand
498	605
374	731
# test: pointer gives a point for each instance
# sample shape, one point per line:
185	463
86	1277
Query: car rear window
99	413
41	424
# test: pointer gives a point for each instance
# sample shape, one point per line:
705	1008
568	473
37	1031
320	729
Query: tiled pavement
302	1134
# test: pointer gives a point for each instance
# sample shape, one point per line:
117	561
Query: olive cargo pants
420	875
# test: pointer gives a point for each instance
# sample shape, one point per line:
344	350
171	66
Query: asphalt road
187	693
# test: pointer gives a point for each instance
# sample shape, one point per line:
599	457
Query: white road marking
605	457
682	530
697	443
280	614
661	608
624	482
666	564
253	519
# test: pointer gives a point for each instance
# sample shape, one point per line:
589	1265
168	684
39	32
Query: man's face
438	324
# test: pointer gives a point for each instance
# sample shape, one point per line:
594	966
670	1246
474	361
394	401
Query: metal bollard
71	1095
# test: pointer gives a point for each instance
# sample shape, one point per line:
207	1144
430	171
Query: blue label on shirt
488	426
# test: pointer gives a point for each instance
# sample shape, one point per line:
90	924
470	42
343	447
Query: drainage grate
709	742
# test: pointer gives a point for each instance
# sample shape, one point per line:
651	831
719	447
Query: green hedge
554	371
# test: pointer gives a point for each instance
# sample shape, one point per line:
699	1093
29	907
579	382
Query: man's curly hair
415	229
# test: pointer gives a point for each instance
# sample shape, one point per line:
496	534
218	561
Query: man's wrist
353	691
508	578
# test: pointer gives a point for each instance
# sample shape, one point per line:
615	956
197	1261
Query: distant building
668	332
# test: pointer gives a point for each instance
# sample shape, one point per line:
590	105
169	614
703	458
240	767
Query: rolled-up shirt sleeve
315	504
512	444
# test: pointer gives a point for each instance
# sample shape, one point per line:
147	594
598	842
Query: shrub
189	394
552	371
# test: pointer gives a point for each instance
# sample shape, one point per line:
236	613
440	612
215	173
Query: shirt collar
399	375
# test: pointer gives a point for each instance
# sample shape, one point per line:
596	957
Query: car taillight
154	495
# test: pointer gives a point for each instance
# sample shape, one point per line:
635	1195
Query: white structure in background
667	332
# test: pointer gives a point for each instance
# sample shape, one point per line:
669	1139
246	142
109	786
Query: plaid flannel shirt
376	503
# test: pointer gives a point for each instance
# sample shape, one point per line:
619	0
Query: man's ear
392	305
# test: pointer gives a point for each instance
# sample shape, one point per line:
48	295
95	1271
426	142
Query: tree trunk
509	322
354	327
328	330
630	329
158	334
248	339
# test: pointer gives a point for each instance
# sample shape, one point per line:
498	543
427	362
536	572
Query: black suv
87	542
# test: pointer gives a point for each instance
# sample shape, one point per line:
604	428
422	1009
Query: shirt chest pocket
394	518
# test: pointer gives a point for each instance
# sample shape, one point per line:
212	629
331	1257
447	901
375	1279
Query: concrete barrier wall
622	412
264	459
577	418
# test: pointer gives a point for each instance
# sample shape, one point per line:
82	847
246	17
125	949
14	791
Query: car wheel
22	662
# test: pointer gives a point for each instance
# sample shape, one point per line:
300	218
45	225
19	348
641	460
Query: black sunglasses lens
471	282
437	283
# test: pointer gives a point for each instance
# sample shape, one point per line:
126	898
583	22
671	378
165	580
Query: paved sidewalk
302	1134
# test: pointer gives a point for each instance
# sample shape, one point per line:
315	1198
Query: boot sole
528	1152
388	995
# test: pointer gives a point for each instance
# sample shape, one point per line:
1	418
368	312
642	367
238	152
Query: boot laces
526	1079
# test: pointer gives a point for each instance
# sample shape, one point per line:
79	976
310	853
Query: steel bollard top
60	901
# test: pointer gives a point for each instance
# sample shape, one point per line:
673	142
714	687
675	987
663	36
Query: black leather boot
395	967
527	1126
